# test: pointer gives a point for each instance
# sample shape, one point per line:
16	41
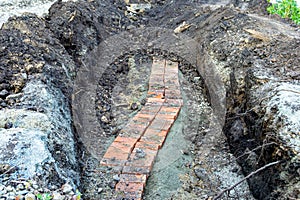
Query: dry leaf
182	27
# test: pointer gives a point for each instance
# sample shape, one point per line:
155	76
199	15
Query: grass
286	9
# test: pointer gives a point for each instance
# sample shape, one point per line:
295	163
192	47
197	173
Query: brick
162	124
117	164
172	83
142	157
156	85
133	178
166	110
130	190
127	140
157	77
133	131
115	169
158	63
139	121
144	117
167	116
156	137
118	153
173	94
136	170
147	109
129	197
147	145
171	65
173	102
157	69
155	101
156	93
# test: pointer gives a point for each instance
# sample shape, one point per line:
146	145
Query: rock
9	188
116	177
67	189
57	196
104	119
11	197
20	187
3	93
100	190
29	196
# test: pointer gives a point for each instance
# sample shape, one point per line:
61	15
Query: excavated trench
216	140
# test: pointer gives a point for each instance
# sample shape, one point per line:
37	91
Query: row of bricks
134	151
164	82
144	131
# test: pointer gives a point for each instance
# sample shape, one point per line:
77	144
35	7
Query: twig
256	148
7	171
245	178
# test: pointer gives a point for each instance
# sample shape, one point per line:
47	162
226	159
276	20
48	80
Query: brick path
134	150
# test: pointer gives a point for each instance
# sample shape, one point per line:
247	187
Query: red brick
155	100
147	145
139	121
162	124
142	157
167	116
144	117
156	94
166	110
128	140
150	109
173	102
136	170
133	131
172	83
133	178
156	137
130	190
171	65
112	162
173	94
118	153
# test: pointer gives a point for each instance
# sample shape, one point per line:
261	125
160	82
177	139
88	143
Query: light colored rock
67	188
29	196
57	196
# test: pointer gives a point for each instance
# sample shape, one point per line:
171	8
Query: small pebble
67	189
9	188
100	190
29	196
57	196
20	187
116	177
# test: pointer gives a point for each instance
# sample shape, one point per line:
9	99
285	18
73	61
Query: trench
197	160
195	153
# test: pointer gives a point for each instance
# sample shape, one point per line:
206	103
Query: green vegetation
45	196
286	9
